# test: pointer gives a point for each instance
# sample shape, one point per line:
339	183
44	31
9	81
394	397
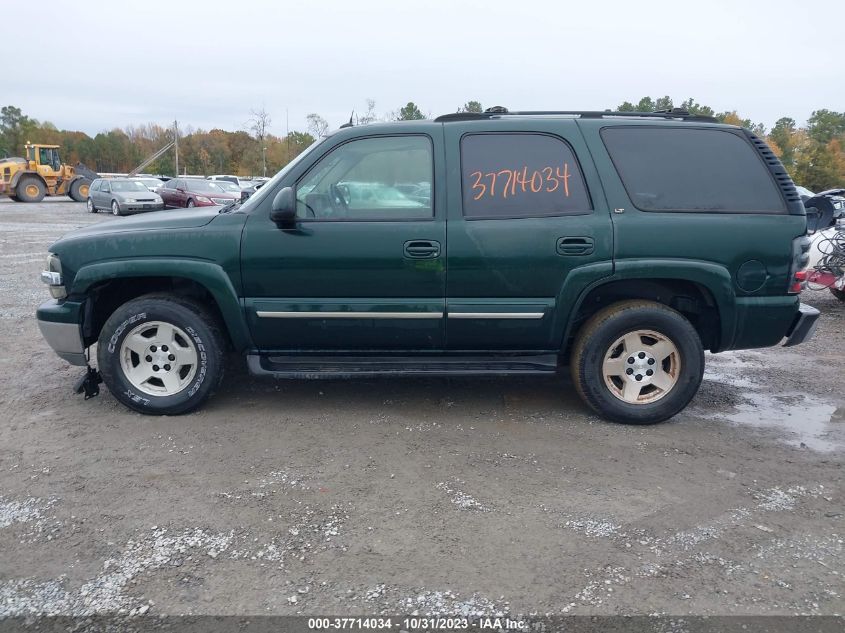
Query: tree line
813	154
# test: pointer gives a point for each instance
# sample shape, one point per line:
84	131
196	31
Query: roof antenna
349	124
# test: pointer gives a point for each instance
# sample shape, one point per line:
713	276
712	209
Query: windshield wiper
232	206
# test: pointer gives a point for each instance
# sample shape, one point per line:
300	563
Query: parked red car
194	192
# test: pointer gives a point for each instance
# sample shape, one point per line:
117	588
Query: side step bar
312	366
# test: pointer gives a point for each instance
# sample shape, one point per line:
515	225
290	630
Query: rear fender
715	278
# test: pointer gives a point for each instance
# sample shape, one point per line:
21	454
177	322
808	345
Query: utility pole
176	140
287	135
264	159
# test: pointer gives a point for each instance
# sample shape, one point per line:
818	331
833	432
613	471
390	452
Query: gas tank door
751	276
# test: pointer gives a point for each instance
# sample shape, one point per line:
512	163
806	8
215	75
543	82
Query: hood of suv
152	221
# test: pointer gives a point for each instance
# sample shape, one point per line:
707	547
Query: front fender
211	276
21	173
716	278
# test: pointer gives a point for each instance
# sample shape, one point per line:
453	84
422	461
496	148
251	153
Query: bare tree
370	115
317	125
258	122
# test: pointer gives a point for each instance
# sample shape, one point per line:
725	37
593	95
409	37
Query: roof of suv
675	115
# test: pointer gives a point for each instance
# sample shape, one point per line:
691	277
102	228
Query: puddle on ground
801	419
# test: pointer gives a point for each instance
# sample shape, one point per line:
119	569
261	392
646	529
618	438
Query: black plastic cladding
784	182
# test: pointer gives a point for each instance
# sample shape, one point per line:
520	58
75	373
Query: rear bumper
64	337
803	326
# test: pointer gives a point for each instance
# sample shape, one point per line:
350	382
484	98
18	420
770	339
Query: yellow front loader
41	174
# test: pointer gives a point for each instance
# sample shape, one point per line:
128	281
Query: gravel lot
403	495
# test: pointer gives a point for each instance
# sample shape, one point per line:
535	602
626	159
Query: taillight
797	270
799	281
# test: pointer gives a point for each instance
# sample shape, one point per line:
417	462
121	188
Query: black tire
839	294
204	335
190	204
115	208
14	199
606	327
79	189
36	188
90	205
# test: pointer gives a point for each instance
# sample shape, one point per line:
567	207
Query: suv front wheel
161	355
637	362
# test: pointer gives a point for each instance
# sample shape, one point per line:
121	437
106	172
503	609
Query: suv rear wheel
637	362
161	355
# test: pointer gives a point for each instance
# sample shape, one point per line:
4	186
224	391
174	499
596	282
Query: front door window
381	178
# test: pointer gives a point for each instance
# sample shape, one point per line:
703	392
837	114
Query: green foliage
15	128
693	107
410	113
783	135
824	125
472	106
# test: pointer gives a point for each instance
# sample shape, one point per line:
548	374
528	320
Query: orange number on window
522	179
492	175
508	184
564	178
536	182
550	182
477	184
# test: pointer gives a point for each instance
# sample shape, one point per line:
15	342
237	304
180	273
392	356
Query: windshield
127	185
255	199
225	185
204	185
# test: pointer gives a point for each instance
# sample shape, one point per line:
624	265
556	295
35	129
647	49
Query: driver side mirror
283	212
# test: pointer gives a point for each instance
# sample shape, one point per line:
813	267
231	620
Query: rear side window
694	170
515	175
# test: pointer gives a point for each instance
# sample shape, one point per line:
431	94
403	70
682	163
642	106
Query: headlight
203	199
53	277
130	200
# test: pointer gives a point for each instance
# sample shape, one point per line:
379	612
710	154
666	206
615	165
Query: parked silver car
122	196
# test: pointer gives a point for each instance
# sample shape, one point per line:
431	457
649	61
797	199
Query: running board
312	366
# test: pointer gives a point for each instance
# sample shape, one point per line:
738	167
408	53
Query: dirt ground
408	495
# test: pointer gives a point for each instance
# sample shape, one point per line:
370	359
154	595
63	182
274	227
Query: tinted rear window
515	175
680	169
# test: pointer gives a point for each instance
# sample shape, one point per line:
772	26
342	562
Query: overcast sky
93	66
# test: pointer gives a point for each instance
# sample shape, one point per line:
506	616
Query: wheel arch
701	291
76	179
106	286
22	174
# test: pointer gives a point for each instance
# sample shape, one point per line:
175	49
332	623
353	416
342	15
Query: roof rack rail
674	113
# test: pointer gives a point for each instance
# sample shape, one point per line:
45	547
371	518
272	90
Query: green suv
621	245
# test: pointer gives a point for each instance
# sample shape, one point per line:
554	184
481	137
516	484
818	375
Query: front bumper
138	207
803	326
64	336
